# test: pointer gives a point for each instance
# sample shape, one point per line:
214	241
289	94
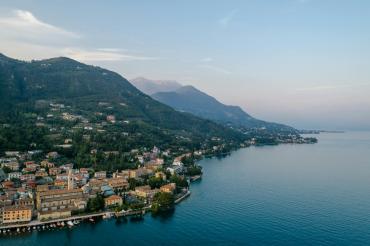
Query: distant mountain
150	87
28	88
191	100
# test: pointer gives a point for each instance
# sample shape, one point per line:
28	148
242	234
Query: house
54	171
161	175
113	200
41	173
46	163
145	192
14	175
26	177
123	174
7	184
52	155
111	118
62	176
16	214
100	175
118	184
168	188
12	153
25	202
107	190
137	173
60	183
175	169
14	165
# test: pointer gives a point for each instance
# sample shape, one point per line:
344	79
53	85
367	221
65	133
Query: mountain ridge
192	100
84	88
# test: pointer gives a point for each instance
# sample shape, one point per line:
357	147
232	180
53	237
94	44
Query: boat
62	223
107	216
91	220
69	223
76	222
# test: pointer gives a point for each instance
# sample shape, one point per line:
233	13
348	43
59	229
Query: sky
305	63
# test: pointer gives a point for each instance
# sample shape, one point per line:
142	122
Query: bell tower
70	180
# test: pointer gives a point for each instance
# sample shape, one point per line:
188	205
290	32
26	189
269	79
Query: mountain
88	95
153	86
191	100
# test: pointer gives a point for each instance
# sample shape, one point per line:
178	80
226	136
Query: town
35	193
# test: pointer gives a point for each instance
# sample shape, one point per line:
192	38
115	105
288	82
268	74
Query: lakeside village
43	189
37	196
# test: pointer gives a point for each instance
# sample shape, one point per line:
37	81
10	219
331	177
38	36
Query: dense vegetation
190	99
45	103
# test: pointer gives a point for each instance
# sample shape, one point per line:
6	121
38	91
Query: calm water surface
282	195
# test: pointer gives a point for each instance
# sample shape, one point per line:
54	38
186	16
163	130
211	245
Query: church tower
70	180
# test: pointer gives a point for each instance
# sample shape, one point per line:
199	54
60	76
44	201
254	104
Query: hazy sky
301	62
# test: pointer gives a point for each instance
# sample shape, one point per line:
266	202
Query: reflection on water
276	195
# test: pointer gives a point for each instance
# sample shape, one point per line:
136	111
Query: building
137	173
168	188
14	166
61	201
118	184
100	175
71	181
14	175
57	214
113	200
24	202
145	192
17	214
54	171
161	175
111	118
175	169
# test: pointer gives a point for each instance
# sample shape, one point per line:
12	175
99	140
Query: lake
277	195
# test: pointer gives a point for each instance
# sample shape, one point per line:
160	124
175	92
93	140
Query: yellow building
168	188
145	192
16	214
49	215
118	184
113	200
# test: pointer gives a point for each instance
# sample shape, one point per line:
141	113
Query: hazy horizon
299	62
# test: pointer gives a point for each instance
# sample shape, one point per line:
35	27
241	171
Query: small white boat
70	224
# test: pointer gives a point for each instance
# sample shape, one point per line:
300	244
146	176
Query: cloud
206	59
106	54
215	69
24	36
23	24
225	21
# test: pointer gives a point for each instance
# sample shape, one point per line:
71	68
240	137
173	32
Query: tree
155	182
180	181
194	170
95	204
163	202
7	169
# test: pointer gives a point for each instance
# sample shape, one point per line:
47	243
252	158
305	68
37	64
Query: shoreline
109	214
